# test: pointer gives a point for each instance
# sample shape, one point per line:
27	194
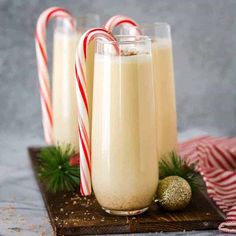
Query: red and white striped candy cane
42	63
82	102
118	20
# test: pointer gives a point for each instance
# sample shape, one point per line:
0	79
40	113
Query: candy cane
118	20
82	102
42	63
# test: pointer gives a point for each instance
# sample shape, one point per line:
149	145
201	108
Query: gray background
204	37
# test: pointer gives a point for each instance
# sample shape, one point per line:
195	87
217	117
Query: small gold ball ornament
174	193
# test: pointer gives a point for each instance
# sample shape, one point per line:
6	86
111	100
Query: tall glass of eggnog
164	84
64	107
89	21
124	147
63	89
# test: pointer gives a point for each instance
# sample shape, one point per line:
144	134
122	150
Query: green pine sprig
55	170
173	165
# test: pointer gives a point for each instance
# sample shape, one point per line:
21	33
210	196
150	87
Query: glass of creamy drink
64	107
124	147
160	34
87	22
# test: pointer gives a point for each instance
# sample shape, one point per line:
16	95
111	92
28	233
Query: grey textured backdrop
204	37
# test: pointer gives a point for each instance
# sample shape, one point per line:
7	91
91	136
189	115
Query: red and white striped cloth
215	160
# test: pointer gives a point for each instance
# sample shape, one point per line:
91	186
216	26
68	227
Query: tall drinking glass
64	105
89	21
124	148
165	86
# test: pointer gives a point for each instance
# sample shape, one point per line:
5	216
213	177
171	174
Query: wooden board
71	214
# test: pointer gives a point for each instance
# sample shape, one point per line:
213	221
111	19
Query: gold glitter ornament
174	193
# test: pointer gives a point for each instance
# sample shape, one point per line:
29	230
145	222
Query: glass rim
82	17
87	16
141	39
155	24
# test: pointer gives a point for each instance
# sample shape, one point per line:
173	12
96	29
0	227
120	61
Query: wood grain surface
71	214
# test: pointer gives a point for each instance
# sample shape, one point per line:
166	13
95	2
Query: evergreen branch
55	170
173	165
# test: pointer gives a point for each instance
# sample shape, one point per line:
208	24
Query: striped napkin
215	160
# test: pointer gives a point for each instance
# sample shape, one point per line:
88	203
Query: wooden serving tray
71	214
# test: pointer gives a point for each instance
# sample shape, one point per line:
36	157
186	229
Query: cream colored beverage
165	96
65	115
124	166
65	123
86	22
89	75
164	84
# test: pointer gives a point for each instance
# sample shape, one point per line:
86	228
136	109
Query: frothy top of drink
129	52
161	42
132	58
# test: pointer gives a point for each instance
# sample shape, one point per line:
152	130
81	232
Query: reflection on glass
124	166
